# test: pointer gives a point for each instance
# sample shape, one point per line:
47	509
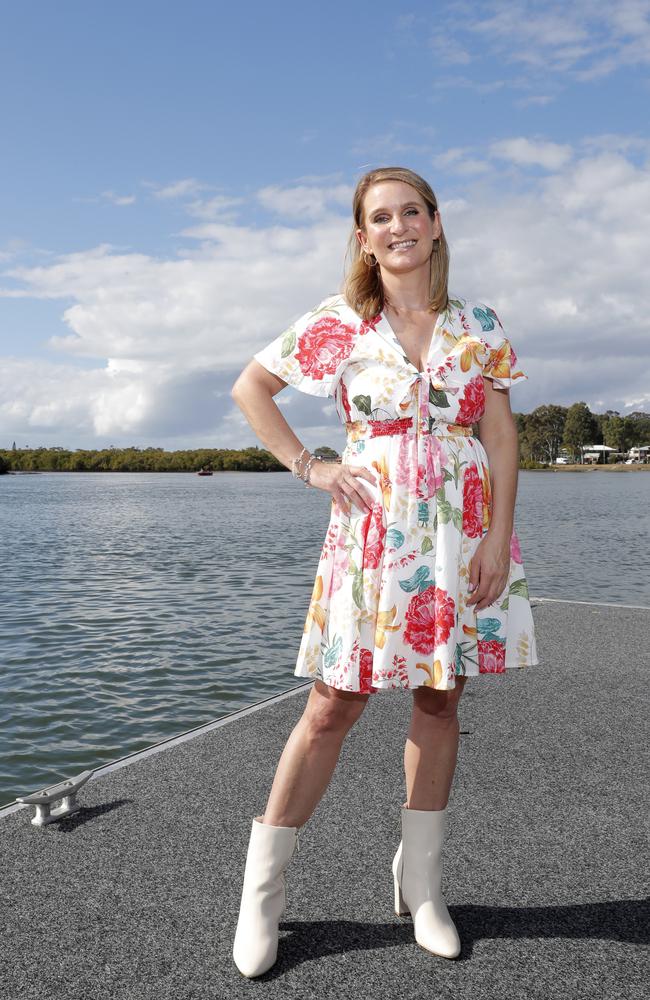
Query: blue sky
177	182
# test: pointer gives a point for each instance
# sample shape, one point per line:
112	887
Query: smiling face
398	228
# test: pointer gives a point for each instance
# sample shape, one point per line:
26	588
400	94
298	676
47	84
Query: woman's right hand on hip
342	481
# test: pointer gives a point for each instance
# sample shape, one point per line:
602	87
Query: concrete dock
545	865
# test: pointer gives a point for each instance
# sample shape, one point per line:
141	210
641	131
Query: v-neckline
383	321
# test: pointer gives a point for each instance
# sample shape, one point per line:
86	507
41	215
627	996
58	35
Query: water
136	606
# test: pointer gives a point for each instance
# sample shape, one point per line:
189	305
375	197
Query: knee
439	705
329	710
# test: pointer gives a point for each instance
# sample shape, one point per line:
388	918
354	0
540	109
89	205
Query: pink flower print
323	346
515	550
340	566
375	534
436	459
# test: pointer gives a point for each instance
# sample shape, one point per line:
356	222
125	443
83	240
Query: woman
420	582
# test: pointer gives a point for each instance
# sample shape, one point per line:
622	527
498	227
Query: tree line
551	429
543	435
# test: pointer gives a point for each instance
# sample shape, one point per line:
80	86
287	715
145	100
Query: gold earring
368	263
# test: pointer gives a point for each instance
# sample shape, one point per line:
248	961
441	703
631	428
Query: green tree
580	429
544	432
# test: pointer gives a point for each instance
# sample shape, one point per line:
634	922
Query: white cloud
585	39
304	201
119	199
527	152
164	339
177	189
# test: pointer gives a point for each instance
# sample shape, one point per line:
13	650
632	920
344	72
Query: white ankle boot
263	902
418	877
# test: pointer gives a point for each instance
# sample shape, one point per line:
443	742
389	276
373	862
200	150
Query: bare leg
311	753
431	749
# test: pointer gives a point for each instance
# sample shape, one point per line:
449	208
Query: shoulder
332	321
337	307
477	314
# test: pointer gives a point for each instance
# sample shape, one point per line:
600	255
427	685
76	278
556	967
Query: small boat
204	472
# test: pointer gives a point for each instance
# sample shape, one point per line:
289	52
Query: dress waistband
402	425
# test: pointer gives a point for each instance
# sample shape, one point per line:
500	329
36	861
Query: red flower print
374	538
369	324
472	405
515	550
491	656
345	402
429	619
323	346
472	503
365	672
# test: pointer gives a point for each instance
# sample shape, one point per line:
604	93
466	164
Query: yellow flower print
469	356
385	482
498	362
315	612
383	618
434	675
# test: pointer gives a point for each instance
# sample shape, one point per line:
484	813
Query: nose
398	227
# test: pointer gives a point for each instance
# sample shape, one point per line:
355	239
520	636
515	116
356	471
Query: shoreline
591	468
217	472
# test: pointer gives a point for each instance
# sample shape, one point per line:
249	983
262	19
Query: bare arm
490	564
253	391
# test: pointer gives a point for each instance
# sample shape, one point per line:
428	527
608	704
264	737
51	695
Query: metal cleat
65	790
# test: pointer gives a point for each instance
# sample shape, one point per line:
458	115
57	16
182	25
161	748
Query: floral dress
389	603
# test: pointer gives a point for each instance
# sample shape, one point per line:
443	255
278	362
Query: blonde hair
363	288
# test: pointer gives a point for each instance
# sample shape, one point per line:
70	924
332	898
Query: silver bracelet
308	468
295	463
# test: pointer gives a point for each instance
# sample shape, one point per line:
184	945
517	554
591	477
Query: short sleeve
499	360
311	353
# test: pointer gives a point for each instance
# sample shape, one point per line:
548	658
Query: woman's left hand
488	570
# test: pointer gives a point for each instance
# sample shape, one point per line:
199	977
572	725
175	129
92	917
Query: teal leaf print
288	342
363	404
488	628
394	538
423	513
486	321
459	662
419	581
438	397
333	652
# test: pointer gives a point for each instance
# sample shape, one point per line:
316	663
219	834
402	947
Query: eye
379	218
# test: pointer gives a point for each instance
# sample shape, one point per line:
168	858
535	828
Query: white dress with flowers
389	603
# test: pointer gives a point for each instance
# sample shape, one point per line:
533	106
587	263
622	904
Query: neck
407	292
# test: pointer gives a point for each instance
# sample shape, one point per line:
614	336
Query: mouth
402	245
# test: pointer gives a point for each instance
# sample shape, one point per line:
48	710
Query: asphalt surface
545	863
